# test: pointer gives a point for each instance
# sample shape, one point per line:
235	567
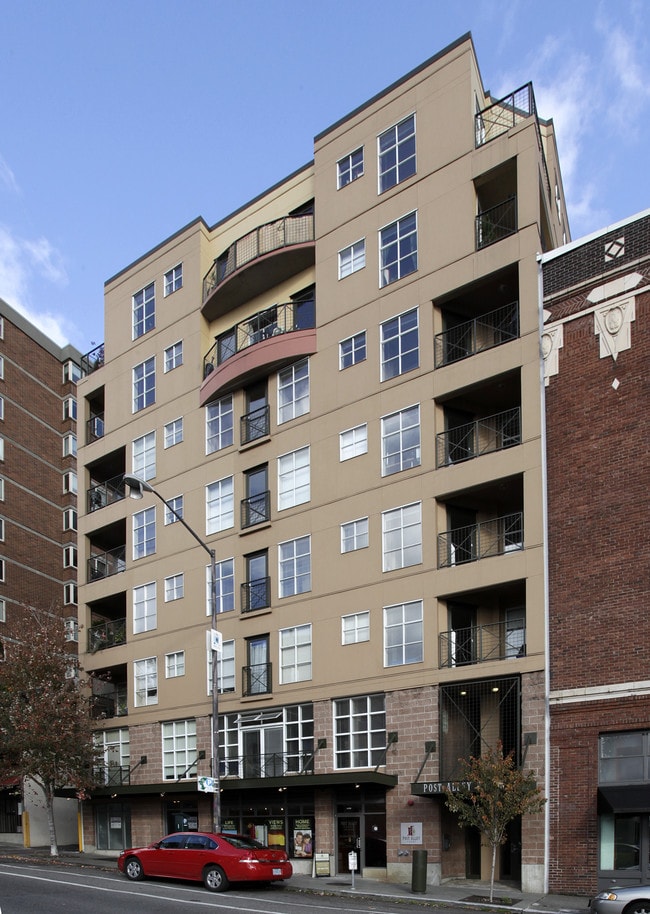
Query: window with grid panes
219	424
359	731
144	311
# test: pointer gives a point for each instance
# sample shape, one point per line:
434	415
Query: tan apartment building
338	388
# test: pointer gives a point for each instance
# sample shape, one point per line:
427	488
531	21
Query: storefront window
620	842
302	838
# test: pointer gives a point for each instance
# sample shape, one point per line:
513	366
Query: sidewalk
464	894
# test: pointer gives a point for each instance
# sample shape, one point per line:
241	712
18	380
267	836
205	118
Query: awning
633	798
9	782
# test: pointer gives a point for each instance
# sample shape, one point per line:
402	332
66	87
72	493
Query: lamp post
137	487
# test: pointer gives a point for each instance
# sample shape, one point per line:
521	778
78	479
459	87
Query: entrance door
349	839
263	752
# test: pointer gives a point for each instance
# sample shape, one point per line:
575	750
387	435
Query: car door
196	854
167	858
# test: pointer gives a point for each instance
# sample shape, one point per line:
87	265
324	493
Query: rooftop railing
480	541
483	436
480	643
477	335
92	360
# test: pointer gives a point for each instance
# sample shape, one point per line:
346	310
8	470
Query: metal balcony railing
477	335
255	595
112	775
92	360
106	634
95	428
285	318
480	541
263	240
271	765
256	679
496	223
256	509
480	643
111	704
483	436
104	564
105	493
255	425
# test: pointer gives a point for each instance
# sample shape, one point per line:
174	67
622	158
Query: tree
45	726
492	793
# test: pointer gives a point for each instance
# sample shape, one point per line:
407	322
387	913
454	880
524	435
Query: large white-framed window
355	627
220	505
403	634
359	731
295	566
402	536
294	478
225	586
175	503
145	682
179	749
174	664
353	442
219	425
145	616
173	280
293	391
144	533
115	752
352	350
173	432
173	356
398	249
174	587
144	384
400	440
396	153
144	311
295	654
400	344
143	460
352	258
225	668
354	535
349	168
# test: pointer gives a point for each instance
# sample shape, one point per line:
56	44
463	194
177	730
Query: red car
214	860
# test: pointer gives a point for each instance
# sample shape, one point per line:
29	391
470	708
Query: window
174	664
70	483
145	674
400	345
2	408
352	258
220	505
293	391
359	731
69	591
179	749
295	566
355	628
225	668
174	432
295	654
173	280
144	533
2	449
256	591
218	425
293	478
173	357
402	536
69	556
354	535
70	408
3	603
403	634
70	445
2	529
624	757
174	587
144	456
349	168
353	442
144	311
396	150
144	384
398	249
225	586
257	678
352	350
400	441
69	519
144	608
71	372
176	503
2	488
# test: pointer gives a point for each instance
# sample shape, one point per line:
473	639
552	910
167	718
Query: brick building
596	346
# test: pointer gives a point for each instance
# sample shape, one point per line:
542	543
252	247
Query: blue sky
122	121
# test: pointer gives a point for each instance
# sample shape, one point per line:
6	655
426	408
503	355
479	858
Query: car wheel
215	879
638	907
133	869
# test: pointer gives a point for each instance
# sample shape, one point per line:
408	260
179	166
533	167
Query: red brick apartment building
596	348
38	509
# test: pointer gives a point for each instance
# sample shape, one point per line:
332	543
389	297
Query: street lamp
137	487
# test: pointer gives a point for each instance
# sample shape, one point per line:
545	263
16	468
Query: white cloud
7	177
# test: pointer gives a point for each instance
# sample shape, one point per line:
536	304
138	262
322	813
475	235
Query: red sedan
214	860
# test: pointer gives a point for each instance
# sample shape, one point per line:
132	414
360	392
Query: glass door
348	839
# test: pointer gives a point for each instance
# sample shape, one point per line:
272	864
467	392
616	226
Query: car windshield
242	841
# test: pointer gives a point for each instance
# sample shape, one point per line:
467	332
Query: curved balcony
263	258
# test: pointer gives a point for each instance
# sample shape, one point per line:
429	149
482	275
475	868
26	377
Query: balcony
496	223
480	643
106	634
95	428
256	679
263	258
113	775
105	493
255	425
111	703
92	360
483	436
255	510
471	337
271	765
104	564
255	595
480	541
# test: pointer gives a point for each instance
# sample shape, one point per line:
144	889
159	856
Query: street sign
206	785
352	861
215	640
